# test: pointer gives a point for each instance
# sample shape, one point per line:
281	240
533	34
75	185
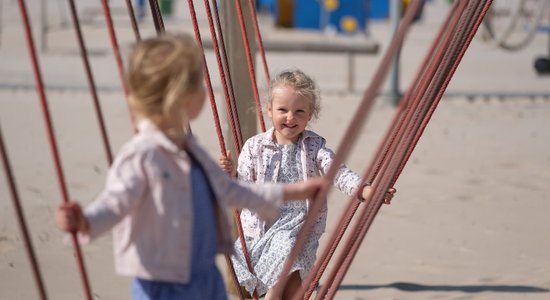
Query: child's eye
282	110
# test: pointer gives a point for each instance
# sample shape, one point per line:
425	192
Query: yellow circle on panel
331	5
348	24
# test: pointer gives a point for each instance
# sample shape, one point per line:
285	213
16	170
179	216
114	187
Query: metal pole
396	7
237	65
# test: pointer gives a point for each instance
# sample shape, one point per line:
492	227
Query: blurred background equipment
512	24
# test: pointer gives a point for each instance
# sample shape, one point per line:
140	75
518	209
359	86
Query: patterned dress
269	253
262	160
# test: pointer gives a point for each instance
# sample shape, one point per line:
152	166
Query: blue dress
206	281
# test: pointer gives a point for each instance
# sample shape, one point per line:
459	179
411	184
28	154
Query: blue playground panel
348	16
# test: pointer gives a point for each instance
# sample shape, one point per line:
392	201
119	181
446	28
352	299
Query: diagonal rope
390	167
472	31
380	156
21	221
91	82
52	141
475	11
390	146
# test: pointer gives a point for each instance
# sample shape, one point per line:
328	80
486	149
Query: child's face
289	112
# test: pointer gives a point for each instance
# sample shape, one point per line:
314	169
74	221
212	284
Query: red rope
250	63
380	156
258	35
346	144
218	127
452	61
388	168
232	119
21	221
440	92
91	82
51	138
116	51
207	78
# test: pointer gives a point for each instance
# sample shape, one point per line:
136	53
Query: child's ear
269	109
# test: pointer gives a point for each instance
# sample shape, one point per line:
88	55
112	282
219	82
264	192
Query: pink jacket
147	202
260	160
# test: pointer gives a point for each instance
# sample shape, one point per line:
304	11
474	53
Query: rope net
407	126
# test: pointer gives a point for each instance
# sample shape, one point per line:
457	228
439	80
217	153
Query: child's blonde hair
162	72
302	84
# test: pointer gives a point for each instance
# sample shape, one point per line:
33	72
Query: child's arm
303	190
346	180
126	184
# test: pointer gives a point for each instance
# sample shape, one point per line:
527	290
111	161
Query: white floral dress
269	245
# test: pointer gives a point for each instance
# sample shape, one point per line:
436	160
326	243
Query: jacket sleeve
262	198
345	180
125	186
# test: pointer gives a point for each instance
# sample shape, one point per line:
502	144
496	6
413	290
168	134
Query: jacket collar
148	129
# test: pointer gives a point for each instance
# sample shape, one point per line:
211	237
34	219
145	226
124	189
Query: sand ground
469	220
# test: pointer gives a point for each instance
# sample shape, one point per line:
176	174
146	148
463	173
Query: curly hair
302	84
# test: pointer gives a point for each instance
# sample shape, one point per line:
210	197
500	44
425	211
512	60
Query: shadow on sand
414	287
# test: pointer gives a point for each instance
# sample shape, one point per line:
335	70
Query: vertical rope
132	16
116	51
21	221
91	82
250	63
232	119
217	122
157	17
207	78
259	41
52	142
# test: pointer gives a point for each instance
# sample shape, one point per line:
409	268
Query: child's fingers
389	195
